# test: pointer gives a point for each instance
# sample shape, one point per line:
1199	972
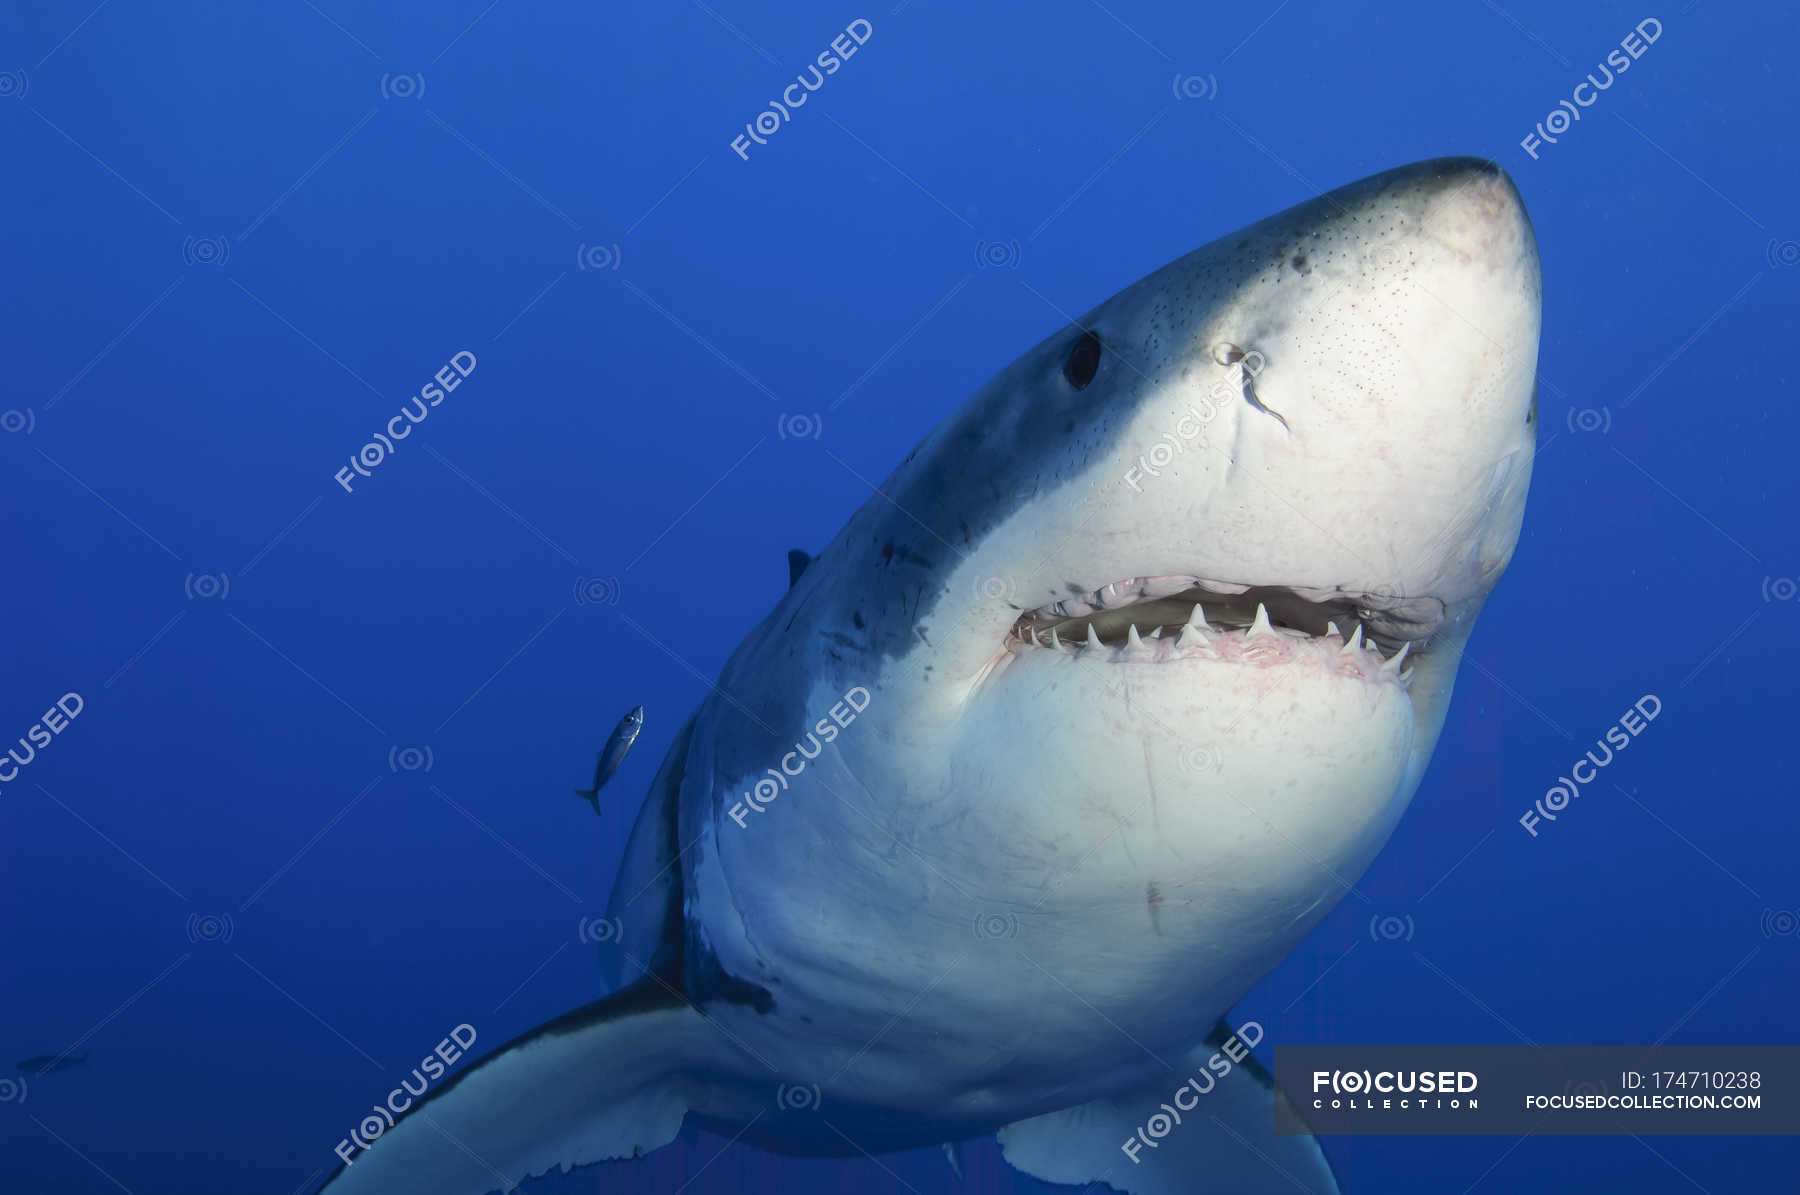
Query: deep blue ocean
313	809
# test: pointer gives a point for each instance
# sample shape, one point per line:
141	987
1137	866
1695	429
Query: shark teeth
1173	624
1262	644
1261	628
1139	648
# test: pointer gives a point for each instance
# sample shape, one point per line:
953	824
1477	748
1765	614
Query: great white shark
1076	729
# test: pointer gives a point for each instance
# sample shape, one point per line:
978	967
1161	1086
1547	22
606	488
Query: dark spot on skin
908	556
1152	901
967	538
1300	263
1073	588
857	618
887	552
843	640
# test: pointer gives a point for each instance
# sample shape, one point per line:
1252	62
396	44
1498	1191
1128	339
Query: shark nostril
1253	363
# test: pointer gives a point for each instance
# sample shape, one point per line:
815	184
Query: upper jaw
1385	615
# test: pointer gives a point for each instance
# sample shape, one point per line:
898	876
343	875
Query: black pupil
1083	362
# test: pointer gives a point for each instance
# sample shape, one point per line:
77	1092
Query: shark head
1159	628
1328	415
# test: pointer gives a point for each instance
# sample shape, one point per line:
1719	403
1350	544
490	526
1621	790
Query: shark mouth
1149	619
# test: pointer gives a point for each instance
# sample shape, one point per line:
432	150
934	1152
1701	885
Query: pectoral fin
1224	1144
609	1080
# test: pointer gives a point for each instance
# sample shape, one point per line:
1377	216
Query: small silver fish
44	1064
623	736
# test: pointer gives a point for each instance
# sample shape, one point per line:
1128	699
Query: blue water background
237	237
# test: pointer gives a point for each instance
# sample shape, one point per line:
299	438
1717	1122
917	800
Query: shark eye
1083	362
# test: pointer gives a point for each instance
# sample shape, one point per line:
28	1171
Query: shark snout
1471	209
1368	362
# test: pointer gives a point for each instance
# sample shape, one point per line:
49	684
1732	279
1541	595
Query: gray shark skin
1071	734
